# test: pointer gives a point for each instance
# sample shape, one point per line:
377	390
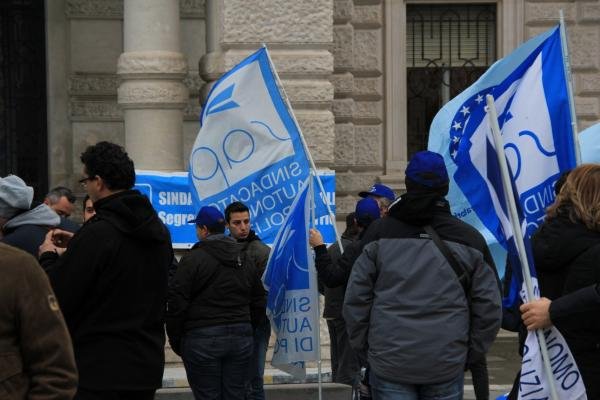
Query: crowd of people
412	296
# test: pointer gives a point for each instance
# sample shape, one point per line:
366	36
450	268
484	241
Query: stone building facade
136	71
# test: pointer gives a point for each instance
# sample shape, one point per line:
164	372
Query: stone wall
582	19
85	39
358	98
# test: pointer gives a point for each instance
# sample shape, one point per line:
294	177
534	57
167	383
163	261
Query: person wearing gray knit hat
15	196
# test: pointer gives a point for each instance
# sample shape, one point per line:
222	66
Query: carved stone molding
152	94
168	63
95	110
100	9
192	110
113	9
106	84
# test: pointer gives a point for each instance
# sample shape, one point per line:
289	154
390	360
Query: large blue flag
530	93
249	147
290	278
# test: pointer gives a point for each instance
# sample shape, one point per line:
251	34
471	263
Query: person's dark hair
85	199
55	194
351	227
216	228
412	186
561	181
236	206
110	162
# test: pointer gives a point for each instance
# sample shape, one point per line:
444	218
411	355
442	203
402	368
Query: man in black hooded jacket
111	282
212	298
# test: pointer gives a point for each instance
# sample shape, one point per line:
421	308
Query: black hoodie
111	284
214	285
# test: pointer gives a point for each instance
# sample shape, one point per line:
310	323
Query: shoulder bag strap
461	274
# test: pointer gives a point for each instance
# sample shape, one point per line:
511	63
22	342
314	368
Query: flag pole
517	232
569	80
312	221
304	144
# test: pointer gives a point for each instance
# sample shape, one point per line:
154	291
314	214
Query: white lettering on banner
175	219
175	198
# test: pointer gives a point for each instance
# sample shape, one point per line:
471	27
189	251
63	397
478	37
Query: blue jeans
216	360
385	390
255	388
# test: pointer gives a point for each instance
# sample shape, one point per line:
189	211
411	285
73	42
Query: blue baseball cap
379	190
428	169
367	209
208	216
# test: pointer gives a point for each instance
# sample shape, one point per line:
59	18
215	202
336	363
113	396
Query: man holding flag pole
250	149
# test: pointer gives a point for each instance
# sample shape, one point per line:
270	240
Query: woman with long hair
567	258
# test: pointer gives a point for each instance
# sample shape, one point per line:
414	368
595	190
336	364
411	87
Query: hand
61	238
49	243
536	314
314	238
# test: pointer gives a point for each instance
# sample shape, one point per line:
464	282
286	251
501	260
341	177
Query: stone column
152	93
299	35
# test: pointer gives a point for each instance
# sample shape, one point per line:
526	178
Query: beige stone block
342	11
589	12
318	130
586	107
368	88
343	47
588	83
548	12
368	111
89	133
193	41
343	109
345	148
349	183
343	84
316	63
95	45
367	16
345	204
531	31
278	21
95	110
368	51
369	141
309	91
190	131
583	46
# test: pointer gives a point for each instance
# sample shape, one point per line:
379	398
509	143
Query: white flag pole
569	80
517	232
312	219
306	150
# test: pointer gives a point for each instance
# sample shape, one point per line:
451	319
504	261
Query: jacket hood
418	207
560	241
131	213
223	248
40	215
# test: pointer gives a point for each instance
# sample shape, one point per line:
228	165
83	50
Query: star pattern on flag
459	125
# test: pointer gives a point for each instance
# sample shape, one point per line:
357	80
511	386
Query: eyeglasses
83	182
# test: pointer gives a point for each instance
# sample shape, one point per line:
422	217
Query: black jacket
334	296
111	284
214	285
256	253
567	259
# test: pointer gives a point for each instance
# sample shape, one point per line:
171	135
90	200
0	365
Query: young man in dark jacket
209	310
237	219
111	282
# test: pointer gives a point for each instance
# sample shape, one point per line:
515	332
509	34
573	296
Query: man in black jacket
209	309
237	219
111	282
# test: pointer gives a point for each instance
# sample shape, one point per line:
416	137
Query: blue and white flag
531	97
291	279
249	148
589	143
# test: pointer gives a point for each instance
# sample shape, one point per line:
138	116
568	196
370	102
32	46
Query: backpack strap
461	274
